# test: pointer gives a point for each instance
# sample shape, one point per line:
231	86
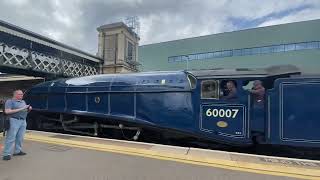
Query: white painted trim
87	99
269	119
249	112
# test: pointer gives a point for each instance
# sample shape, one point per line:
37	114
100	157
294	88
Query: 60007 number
228	113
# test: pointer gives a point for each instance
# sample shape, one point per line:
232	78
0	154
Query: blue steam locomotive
186	105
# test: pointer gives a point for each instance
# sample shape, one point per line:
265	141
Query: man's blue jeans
14	135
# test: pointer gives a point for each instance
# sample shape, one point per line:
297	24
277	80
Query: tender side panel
292	112
300	105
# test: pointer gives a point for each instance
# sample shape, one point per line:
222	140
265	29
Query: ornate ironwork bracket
12	56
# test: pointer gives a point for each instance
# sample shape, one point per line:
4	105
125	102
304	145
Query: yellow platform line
268	169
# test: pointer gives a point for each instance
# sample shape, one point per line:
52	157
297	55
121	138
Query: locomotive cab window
210	89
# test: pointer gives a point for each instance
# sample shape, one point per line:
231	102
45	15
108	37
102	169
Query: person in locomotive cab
258	92
17	110
231	91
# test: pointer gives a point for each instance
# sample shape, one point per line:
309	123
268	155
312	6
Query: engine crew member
232	91
258	92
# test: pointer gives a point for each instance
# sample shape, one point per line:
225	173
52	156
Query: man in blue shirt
17	111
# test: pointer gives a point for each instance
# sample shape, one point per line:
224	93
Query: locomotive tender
188	104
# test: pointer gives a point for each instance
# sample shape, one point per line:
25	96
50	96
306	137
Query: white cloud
252	9
305	15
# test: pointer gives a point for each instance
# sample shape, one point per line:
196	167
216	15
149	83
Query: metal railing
20	58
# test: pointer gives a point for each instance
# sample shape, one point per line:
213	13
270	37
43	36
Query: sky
74	22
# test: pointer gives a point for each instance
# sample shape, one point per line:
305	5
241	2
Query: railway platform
60	156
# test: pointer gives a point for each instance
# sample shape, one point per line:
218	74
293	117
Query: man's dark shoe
20	154
6	158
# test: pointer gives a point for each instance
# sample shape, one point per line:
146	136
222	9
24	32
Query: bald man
17	111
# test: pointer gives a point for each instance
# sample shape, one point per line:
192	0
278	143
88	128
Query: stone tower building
118	47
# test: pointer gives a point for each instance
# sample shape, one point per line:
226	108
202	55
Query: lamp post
187	61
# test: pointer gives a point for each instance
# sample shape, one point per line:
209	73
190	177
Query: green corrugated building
294	43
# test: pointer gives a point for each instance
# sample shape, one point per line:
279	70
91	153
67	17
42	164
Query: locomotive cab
228	111
224	109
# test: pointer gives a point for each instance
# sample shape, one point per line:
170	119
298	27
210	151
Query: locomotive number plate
227	120
228	113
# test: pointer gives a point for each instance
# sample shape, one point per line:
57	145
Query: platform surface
57	156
